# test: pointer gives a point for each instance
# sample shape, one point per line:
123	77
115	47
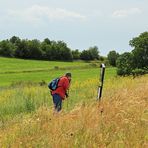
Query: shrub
124	64
138	72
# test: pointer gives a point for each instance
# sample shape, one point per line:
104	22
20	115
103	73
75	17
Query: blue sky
108	24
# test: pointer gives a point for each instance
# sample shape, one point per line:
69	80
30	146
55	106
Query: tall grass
28	98
123	123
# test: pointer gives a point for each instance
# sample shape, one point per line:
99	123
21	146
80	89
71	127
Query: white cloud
126	12
40	13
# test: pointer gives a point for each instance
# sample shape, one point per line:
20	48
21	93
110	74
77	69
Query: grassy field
10	65
21	92
16	70
27	119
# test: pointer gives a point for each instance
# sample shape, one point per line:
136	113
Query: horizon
94	24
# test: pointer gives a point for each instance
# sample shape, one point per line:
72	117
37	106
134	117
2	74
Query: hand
66	94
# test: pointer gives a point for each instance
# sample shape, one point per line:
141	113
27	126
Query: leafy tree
64	53
125	64
49	50
46	50
7	49
55	54
91	54
76	54
94	52
112	57
34	49
14	39
56	51
86	55
140	52
47	41
136	62
22	49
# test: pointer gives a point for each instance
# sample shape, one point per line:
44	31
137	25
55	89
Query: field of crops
26	111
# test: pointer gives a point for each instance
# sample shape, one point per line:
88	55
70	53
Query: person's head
68	75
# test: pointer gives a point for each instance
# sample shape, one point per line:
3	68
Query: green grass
15	70
32	123
26	94
78	74
10	65
27	119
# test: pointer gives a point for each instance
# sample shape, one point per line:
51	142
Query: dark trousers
57	100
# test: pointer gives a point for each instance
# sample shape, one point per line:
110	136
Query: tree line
45	50
134	62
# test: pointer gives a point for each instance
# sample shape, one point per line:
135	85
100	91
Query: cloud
41	13
126	12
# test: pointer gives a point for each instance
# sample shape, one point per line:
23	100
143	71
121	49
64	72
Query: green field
16	70
19	65
22	82
26	107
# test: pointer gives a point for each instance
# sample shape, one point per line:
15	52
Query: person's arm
66	87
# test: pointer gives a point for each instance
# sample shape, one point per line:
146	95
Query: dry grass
123	123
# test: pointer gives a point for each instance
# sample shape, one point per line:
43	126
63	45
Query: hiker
61	91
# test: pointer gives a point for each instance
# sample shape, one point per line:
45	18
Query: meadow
15	70
23	91
26	111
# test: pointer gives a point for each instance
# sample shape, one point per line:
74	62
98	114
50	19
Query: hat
68	74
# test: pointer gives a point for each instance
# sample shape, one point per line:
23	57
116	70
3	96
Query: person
61	92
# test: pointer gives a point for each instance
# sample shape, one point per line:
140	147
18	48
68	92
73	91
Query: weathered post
100	88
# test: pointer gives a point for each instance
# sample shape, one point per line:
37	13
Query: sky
107	24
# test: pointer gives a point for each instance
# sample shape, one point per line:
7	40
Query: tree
34	49
64	53
136	62
22	49
125	64
46	51
7	49
112	57
94	52
76	54
14	39
47	41
91	54
86	55
140	51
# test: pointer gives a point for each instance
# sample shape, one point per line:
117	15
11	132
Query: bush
112	57
124	64
138	72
